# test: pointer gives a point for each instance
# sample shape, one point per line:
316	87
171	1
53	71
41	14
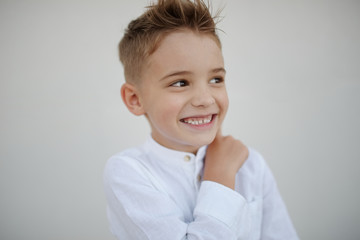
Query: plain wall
293	77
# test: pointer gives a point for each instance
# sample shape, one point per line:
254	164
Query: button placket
198	172
187	158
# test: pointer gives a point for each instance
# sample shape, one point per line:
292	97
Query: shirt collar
171	156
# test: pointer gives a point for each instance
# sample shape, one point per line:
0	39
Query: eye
181	83
216	80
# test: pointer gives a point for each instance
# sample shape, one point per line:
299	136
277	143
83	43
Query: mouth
199	120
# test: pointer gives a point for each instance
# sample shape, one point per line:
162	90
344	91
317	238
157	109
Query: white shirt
157	193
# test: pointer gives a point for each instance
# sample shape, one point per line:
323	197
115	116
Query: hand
224	157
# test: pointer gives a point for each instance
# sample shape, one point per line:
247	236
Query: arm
139	209
276	223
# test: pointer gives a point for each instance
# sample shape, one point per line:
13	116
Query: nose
202	98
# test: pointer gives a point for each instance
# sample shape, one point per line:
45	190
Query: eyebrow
176	74
179	73
216	70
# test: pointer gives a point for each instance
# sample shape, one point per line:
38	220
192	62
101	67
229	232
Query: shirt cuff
222	203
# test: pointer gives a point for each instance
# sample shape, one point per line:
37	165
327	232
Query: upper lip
199	116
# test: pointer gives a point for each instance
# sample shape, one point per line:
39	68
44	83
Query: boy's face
183	92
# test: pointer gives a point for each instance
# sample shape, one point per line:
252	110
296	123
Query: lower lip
204	126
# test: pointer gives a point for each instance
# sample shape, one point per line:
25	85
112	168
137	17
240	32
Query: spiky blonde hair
143	35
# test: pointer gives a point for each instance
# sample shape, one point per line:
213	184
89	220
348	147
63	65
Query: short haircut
143	35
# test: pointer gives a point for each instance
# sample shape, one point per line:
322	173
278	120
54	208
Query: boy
187	181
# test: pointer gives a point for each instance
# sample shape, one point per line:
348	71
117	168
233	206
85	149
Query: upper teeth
198	121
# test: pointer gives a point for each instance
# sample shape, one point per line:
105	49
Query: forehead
186	50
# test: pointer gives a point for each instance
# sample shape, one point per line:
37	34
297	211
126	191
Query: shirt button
187	158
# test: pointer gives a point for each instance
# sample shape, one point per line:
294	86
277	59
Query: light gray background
293	81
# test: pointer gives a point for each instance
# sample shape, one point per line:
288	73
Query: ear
131	98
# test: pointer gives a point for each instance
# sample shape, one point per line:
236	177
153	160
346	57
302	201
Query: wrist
226	179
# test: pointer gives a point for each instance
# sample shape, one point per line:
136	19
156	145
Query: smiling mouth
196	121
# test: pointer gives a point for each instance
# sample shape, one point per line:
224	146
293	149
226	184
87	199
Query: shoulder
251	176
125	155
131	170
125	164
254	164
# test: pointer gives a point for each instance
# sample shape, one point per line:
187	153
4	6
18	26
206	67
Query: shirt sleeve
276	223
139	209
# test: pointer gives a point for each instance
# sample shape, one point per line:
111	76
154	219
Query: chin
202	141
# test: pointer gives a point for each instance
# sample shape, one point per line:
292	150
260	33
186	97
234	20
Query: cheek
224	101
170	107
